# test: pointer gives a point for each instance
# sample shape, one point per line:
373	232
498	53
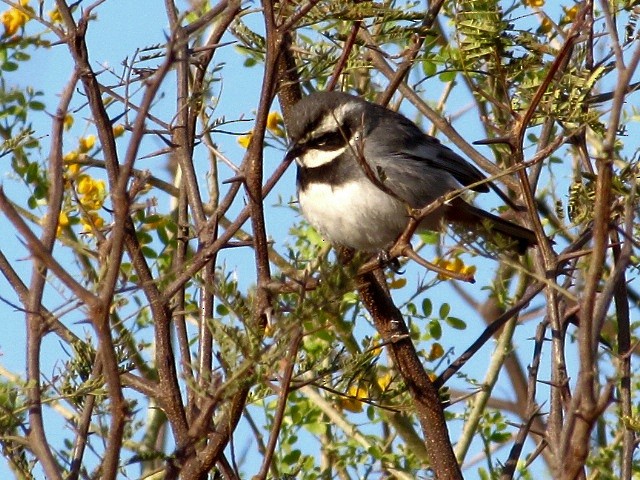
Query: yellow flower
87	143
275	124
63	222
73	169
456	266
384	381
435	352
397	283
63	219
375	347
570	14
92	192
245	140
68	121
90	222
13	19
70	157
85	184
54	16
545	26
351	401
533	3
118	130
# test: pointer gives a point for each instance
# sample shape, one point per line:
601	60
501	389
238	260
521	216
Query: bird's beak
292	153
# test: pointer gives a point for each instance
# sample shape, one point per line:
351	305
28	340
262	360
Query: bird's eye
329	141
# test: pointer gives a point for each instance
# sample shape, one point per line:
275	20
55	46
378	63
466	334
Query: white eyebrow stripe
314	158
333	120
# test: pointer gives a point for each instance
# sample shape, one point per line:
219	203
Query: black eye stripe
329	141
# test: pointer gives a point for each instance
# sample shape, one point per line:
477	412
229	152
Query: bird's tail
462	212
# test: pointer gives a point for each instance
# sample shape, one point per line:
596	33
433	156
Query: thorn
237	178
493	141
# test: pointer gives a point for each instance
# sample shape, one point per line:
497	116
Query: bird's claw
386	260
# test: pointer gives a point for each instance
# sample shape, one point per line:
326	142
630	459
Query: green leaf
435	329
429	68
374	451
371	413
427	307
447	76
497	437
149	252
154	218
317	428
144	237
163	236
292	458
456	323
444	311
37	106
32	172
40	192
428	237
21	56
9	66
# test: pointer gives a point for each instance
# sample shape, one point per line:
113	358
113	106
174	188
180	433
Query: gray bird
360	165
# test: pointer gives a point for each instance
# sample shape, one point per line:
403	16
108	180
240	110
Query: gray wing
417	167
430	150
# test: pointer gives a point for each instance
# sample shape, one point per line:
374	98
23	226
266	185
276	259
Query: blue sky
122	27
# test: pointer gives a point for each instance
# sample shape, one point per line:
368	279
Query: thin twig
283	395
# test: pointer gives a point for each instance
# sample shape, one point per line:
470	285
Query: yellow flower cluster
275	125
569	16
63	222
435	352
545	25
91	221
570	13
91	192
352	401
15	18
118	130
55	16
86	143
245	140
68	121
455	265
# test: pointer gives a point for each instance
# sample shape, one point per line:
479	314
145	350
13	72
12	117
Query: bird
361	167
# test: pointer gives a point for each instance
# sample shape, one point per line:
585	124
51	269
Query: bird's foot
393	263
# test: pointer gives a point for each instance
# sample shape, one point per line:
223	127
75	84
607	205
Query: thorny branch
184	377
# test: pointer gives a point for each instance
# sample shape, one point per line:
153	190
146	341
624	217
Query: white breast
355	214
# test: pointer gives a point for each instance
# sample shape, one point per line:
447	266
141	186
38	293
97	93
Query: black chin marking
333	173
